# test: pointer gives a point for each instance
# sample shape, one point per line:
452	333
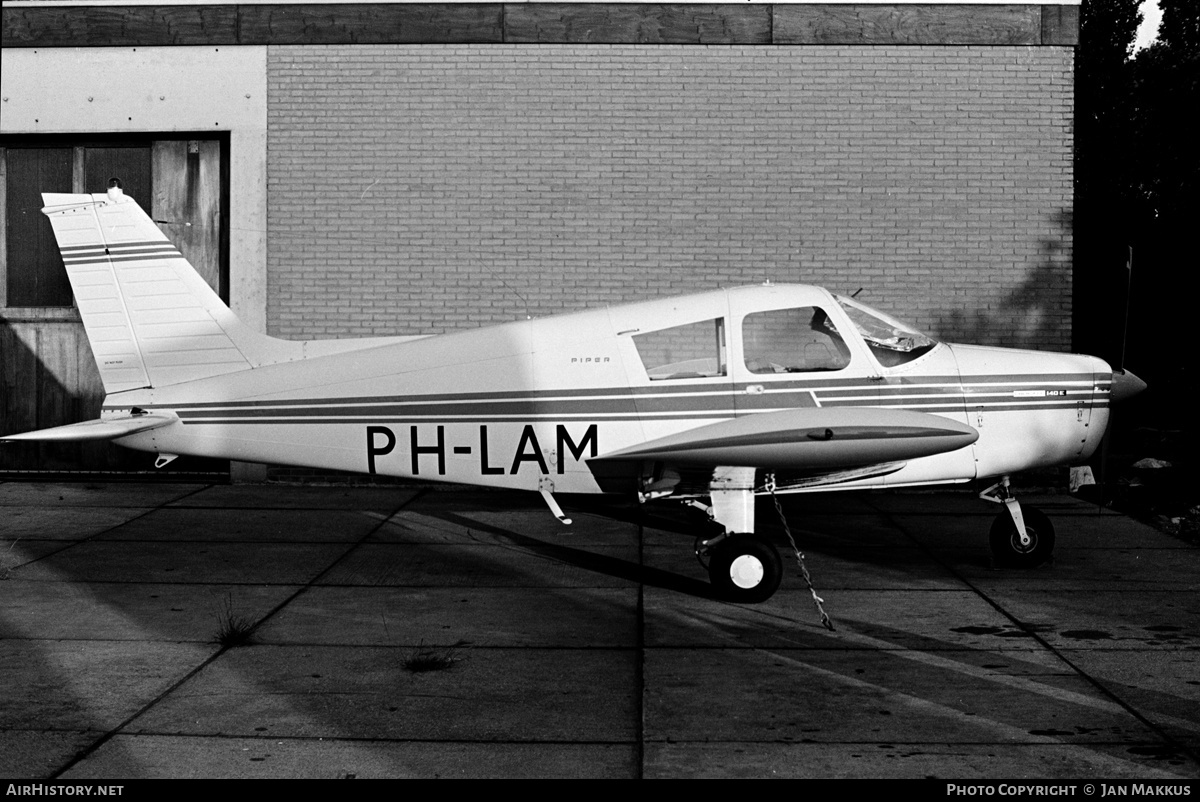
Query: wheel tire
745	569
1006	544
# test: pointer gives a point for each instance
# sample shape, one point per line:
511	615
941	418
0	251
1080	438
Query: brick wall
423	189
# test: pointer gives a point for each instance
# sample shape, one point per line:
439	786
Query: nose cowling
1125	385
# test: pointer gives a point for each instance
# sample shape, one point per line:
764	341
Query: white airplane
722	396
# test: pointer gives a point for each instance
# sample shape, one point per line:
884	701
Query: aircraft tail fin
150	318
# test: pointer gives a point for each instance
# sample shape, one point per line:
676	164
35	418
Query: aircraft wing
102	429
806	439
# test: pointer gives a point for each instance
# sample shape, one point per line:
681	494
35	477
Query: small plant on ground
421	659
233	629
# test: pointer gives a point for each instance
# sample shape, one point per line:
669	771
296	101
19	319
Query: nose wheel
743	568
1022	536
1010	550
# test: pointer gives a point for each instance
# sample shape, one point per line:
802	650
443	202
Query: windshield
892	342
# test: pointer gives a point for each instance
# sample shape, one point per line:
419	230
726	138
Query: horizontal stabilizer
102	429
808	439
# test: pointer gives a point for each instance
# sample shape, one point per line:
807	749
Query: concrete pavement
592	650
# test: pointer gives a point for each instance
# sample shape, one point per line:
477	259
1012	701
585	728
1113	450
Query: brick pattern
425	189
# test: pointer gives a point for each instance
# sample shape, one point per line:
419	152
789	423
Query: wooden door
48	376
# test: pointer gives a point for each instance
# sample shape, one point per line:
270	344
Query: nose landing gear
1021	536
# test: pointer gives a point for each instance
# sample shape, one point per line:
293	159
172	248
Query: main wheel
1007	548
745	569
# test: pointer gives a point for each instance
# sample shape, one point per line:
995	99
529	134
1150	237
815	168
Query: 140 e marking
381	440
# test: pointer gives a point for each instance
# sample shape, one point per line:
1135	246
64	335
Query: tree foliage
1102	96
1164	96
1137	185
1180	28
1136	158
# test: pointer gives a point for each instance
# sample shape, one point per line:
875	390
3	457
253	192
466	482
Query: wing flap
101	429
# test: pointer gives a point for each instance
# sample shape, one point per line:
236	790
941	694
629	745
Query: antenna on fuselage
510	288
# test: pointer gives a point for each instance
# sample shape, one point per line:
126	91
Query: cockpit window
892	342
799	340
691	351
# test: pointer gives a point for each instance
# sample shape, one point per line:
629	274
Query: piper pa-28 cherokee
719	396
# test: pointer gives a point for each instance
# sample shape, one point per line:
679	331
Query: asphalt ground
408	632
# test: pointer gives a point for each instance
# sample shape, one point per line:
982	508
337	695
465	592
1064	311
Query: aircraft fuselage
522	404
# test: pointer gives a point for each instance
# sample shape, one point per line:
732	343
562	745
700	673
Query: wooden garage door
47	374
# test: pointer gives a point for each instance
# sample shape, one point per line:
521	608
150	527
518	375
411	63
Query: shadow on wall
1035	315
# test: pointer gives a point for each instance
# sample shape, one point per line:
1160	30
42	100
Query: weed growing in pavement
233	629
421	659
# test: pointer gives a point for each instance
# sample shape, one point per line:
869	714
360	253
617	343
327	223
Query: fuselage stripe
397	416
952	393
981	394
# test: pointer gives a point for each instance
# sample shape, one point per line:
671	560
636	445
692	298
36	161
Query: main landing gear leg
742	566
1021	536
